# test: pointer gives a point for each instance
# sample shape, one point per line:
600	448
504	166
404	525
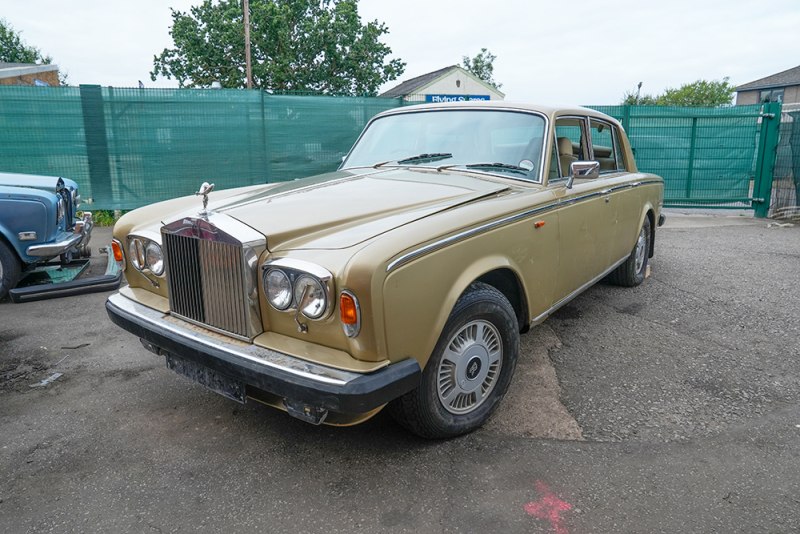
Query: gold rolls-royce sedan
402	280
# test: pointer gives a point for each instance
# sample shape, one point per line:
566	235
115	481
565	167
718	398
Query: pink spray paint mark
548	507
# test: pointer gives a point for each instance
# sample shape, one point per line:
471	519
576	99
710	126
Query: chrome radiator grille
206	285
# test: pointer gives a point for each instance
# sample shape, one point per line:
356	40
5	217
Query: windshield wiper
426	157
418	158
502	166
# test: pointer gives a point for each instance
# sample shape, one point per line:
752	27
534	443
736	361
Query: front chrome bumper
75	241
293	379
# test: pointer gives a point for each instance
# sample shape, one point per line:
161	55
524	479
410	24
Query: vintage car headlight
278	289
315	301
155	258
286	281
136	253
61	209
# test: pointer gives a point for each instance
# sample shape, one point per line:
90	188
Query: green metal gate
708	157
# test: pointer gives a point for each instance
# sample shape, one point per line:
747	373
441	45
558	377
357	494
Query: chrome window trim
540	114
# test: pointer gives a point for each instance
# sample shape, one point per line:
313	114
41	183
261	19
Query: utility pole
248	66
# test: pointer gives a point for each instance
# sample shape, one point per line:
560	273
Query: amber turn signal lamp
347	305
117	250
538	224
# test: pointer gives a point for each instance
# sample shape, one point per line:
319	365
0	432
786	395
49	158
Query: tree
635	99
296	45
14	50
701	93
482	67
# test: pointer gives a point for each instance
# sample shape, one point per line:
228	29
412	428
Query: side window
570	142
603	145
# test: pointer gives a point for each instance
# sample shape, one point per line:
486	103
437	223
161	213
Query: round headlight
136	252
155	259
315	302
278	289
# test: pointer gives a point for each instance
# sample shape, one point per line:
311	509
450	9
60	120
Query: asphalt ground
670	407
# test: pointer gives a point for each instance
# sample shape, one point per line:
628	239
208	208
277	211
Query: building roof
782	79
412	86
9	70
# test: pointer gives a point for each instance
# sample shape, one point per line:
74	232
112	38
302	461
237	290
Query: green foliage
296	45
104	217
482	66
702	93
632	99
14	50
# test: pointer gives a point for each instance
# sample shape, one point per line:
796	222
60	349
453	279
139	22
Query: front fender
26	212
418	299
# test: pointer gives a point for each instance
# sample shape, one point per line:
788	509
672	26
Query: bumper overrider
309	390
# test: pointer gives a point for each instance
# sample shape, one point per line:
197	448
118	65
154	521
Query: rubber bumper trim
349	393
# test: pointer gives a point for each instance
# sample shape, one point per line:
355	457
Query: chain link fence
785	202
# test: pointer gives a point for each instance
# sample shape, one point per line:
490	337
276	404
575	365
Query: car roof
549	110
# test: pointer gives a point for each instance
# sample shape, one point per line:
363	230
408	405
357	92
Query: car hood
342	209
46	183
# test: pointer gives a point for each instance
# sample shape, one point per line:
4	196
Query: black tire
10	269
481	311
631	273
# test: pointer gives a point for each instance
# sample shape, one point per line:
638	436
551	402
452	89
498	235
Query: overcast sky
571	52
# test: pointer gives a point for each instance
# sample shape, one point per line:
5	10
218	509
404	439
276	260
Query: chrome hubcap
470	367
641	248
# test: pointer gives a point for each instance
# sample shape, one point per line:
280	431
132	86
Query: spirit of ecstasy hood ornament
205	189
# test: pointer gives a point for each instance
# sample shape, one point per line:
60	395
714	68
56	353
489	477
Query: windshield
501	142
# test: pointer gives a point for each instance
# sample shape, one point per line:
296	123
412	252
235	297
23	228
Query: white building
450	84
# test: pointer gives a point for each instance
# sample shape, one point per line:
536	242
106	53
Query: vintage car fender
26	210
454	284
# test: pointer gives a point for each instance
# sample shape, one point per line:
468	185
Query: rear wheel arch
650	214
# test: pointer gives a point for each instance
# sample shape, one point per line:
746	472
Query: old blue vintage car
38	223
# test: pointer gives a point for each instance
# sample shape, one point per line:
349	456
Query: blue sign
39	82
455	98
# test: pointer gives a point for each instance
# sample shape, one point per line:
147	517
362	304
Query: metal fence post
767	145
691	158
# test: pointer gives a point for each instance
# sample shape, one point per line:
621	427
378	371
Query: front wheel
469	371
631	273
9	269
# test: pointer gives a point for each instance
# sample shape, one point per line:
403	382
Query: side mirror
583	169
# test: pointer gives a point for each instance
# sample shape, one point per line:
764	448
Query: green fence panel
705	155
131	147
127	148
42	132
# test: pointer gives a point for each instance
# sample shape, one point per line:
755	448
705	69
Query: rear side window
605	146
